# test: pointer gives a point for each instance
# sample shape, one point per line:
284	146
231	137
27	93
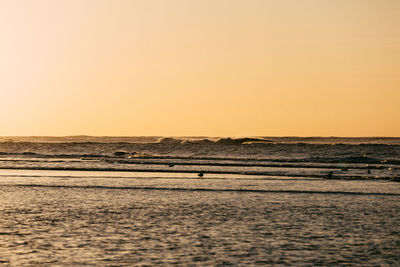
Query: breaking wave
222	141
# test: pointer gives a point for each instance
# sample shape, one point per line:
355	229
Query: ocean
146	201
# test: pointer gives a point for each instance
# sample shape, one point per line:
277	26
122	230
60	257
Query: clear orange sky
200	67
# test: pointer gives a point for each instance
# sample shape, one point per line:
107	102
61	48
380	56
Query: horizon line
198	136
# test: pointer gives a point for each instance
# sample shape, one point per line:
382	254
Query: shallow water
111	218
139	201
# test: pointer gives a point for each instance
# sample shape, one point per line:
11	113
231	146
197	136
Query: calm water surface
111	218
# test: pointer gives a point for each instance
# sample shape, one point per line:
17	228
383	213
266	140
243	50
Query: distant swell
145	155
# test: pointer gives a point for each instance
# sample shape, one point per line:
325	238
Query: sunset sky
200	67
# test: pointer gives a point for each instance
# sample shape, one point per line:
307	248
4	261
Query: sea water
140	201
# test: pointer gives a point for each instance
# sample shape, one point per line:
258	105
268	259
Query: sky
200	67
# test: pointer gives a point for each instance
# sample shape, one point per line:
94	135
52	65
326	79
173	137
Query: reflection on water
53	218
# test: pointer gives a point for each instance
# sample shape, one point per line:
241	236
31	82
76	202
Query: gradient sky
200	67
